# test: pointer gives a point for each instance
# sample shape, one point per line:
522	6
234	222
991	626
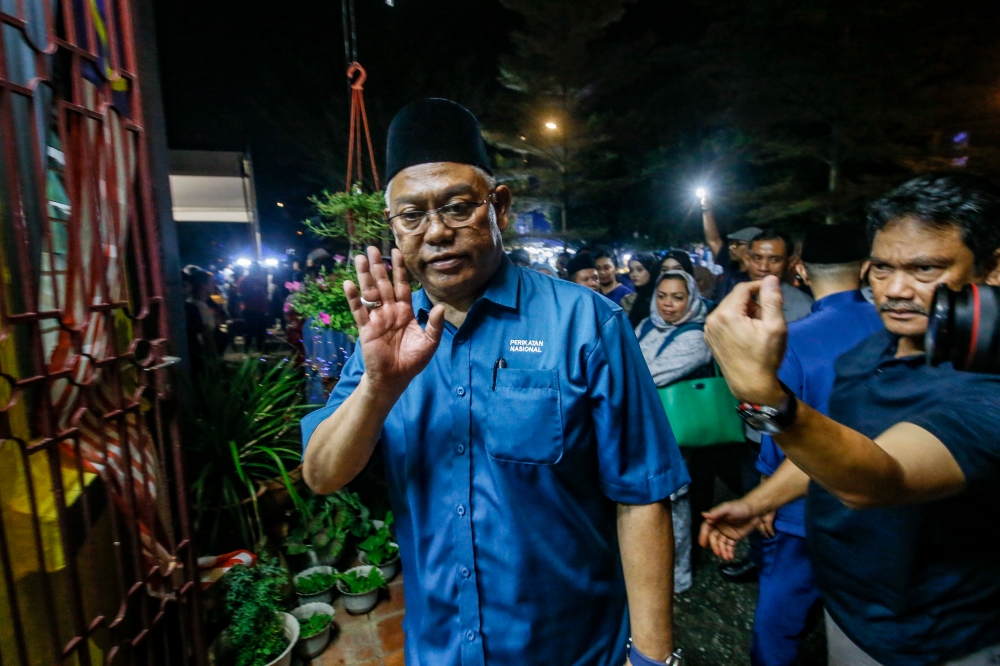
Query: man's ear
993	273
501	204
803	272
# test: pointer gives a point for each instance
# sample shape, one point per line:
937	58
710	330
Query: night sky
238	75
770	100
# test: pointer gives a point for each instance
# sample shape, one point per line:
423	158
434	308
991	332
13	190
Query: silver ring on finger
371	305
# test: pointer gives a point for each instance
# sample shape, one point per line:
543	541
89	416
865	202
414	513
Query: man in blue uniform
900	519
528	458
841	319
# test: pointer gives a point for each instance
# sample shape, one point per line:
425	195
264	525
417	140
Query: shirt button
465	572
460	339
471	635
461	510
460	449
460	391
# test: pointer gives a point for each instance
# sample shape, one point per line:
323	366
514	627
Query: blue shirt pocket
524	417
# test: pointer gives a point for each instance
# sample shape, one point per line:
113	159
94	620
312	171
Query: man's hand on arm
904	465
646	539
395	349
728	523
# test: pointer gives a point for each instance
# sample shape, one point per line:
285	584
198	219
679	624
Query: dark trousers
256	329
733	464
787	594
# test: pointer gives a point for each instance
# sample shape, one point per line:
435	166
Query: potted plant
380	550
357	216
359	587
241	430
258	632
322	527
315	622
315	585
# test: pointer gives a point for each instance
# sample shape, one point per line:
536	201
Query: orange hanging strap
359	119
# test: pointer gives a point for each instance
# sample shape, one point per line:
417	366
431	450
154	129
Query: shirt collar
502	290
840	299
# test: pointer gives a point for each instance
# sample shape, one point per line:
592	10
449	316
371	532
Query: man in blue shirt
901	517
528	458
841	319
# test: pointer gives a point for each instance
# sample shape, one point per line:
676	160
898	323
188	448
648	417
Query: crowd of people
545	509
222	304
824	286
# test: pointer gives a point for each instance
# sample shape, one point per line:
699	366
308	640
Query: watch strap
639	659
778	418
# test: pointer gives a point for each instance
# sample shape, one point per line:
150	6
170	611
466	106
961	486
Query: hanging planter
353	214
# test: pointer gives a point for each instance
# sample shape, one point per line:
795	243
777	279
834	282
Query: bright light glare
626	258
551	125
244	262
281	205
273	263
701	193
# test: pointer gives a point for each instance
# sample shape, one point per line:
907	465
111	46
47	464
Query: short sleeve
638	458
350	377
967	426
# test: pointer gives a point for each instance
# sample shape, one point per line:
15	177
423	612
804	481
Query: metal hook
356	68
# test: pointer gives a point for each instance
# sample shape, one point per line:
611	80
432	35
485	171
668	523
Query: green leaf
358	584
315	583
314	624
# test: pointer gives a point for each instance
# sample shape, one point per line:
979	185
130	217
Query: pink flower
325	318
339	258
293	286
287	308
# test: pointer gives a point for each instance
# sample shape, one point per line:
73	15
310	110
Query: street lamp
551	125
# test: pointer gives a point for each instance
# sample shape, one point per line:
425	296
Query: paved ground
713	621
375	639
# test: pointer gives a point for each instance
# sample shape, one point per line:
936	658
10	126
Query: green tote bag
702	412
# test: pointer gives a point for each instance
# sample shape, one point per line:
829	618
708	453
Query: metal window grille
96	561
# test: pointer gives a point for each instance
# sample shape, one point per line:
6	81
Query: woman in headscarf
677	260
643	269
672	341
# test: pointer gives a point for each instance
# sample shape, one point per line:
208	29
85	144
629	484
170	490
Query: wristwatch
637	658
770	420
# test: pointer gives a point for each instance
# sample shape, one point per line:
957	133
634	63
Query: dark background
767	101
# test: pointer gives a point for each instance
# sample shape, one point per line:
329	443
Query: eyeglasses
454	215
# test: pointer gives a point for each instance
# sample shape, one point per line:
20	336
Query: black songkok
581	261
835	244
434	130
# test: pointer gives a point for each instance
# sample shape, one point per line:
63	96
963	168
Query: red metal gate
96	563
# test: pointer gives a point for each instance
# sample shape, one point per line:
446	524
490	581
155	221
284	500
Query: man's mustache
902	306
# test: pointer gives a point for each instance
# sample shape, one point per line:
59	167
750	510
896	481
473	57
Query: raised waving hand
394	346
